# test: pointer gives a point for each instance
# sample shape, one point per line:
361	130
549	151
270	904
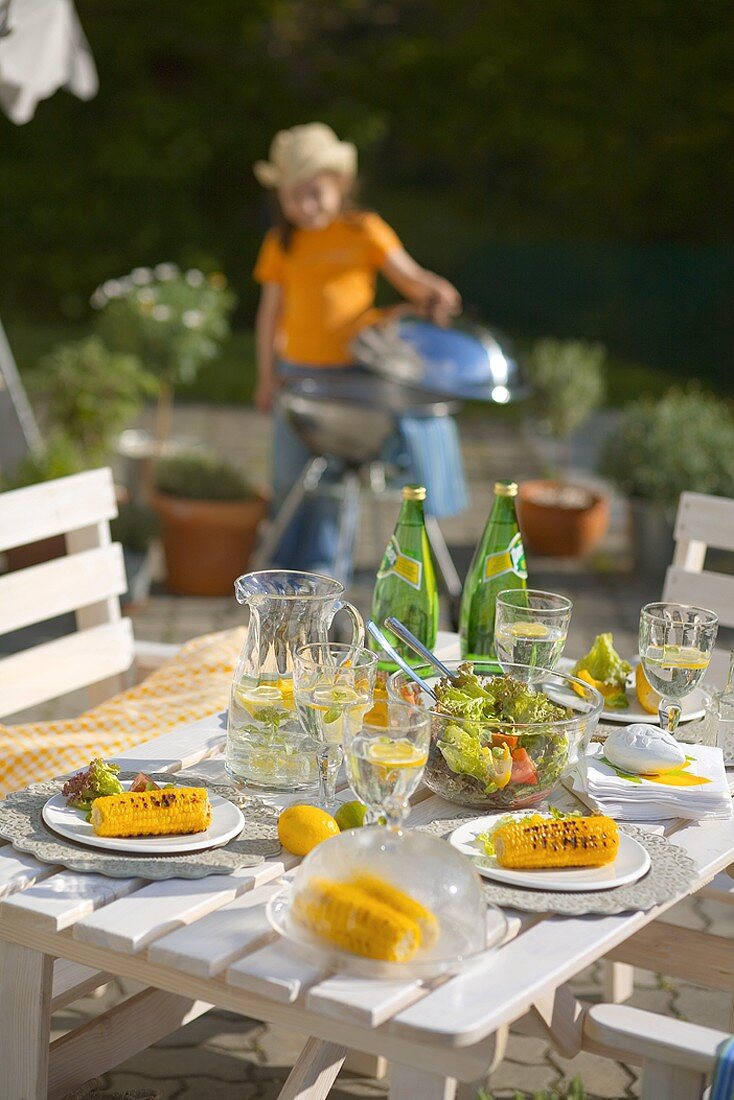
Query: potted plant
85	395
173	321
558	517
659	449
209	517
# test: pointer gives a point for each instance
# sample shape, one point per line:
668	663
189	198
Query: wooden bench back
88	580
702	523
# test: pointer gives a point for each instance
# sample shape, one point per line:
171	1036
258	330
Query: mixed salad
99	779
605	670
478	760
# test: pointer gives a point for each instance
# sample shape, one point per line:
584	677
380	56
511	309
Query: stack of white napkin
628	797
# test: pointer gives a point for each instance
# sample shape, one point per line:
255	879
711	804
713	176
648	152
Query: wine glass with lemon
676	643
530	631
333	686
386	753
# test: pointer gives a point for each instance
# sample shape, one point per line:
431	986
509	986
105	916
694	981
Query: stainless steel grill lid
467	362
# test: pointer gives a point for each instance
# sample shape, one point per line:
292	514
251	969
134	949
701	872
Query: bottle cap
505	489
414	492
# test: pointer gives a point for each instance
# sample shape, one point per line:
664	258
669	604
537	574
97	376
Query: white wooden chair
88	581
97	656
702	523
676	1057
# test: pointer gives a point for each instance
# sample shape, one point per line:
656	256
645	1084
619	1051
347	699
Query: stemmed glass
676	642
530	631
333	685
386	753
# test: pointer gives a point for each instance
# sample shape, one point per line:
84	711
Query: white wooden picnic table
207	942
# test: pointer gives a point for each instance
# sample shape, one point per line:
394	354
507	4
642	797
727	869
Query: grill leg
348	518
443	557
308	482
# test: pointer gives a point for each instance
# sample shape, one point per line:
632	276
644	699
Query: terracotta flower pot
207	543
559	520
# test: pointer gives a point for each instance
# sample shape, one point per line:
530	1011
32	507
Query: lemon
396	754
350	815
301	828
647	697
277	694
528	630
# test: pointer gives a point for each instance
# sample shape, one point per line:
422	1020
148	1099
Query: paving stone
719	916
516	1075
526	1050
184	1061
710	1007
687	914
602	1077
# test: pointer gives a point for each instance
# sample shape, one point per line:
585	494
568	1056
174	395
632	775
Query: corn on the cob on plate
382	890
570	842
152	813
350	918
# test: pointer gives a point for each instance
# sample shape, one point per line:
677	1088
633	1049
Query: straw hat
302	152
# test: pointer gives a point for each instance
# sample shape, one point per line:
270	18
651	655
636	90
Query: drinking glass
676	642
333	685
530	630
386	753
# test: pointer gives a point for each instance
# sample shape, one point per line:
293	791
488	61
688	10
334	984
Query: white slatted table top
210	938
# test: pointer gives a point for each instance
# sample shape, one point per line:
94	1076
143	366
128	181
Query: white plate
691	706
227	822
448	956
632	862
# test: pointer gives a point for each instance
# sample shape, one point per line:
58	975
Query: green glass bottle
498	564
406	580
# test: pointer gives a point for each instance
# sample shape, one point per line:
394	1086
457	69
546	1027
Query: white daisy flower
160	313
164	272
193	318
146	295
141	276
194	277
112	288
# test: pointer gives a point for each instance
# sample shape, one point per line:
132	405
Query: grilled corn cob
152	813
571	842
347	916
384	891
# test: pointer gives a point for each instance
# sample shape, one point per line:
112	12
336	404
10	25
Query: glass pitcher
266	746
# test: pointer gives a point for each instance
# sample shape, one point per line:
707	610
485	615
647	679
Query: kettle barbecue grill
413	368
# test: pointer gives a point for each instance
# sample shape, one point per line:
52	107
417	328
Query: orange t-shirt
328	278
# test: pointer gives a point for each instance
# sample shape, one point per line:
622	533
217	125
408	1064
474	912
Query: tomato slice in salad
523	768
499	739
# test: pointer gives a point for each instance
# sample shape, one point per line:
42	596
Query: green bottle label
511	560
396	563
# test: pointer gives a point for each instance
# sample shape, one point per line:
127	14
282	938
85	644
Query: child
318	269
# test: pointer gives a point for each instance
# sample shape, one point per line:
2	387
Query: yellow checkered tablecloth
193	684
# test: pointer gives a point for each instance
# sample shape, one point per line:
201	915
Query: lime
350	815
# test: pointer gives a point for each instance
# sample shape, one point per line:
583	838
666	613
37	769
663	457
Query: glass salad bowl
388	905
511	761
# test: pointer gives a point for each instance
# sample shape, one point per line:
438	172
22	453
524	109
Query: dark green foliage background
568	162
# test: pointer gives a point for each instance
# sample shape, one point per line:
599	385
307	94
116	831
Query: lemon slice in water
528	630
396	754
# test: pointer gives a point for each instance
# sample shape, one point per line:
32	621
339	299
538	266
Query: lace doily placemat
671	874
21	823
